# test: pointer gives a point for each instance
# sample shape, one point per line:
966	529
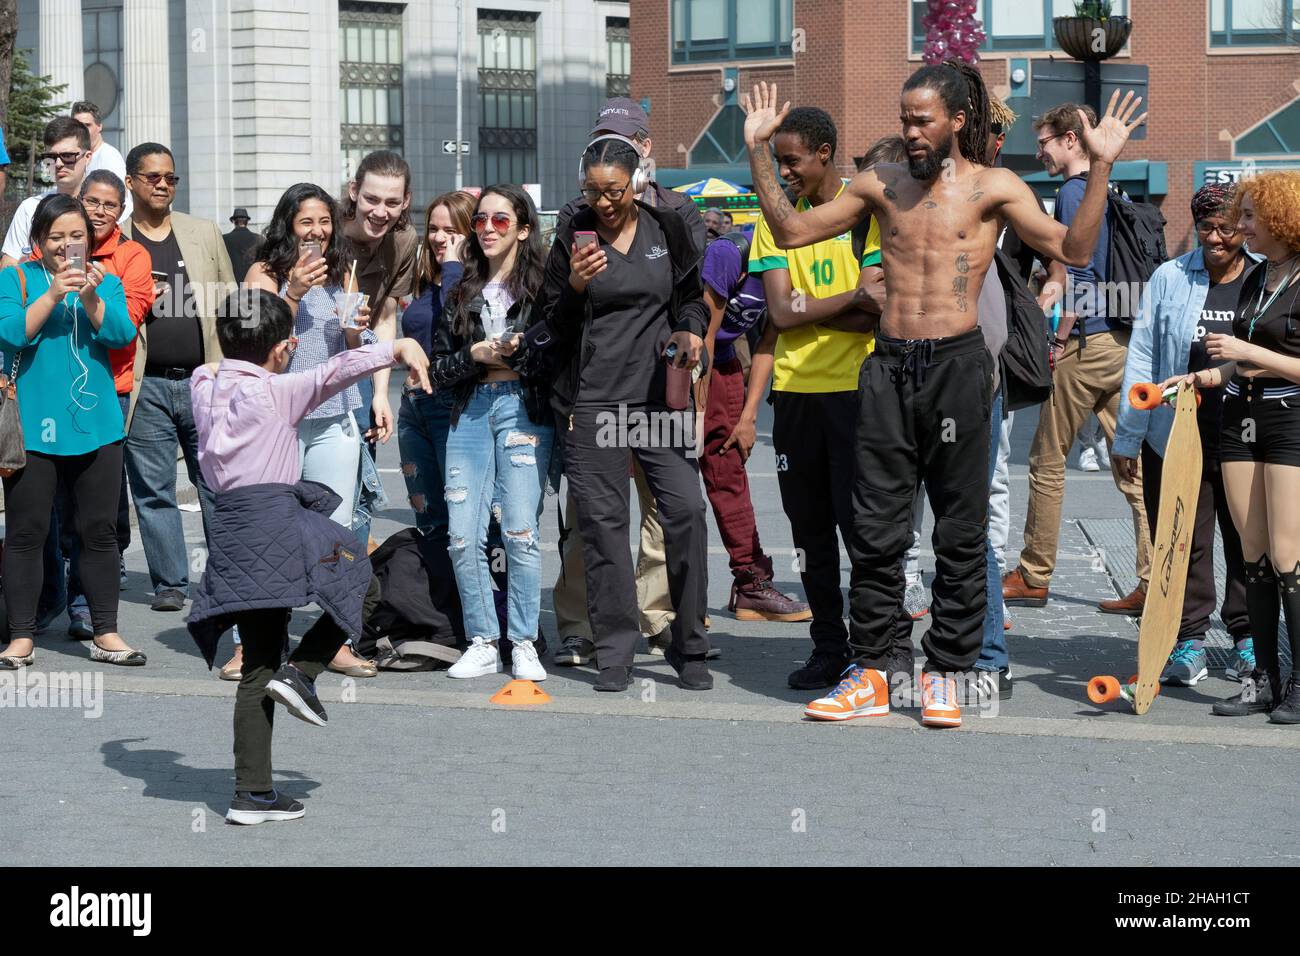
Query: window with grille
507	93
370	80
618	43
101	39
711	30
1254	22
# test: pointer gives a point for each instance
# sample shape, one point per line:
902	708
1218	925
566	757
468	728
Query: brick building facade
1210	89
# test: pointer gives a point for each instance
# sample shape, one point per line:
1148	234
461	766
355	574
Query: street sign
449	146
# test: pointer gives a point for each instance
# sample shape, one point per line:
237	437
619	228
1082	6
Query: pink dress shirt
247	418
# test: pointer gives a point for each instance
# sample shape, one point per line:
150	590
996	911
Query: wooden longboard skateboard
1179	488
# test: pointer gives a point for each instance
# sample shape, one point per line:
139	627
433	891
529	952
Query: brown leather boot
1131	605
1016	593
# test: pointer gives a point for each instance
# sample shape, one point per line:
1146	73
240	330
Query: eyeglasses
1047	139
104	204
500	221
67	159
592	195
1226	231
152	178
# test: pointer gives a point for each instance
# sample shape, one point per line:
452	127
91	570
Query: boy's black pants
924	417
264	635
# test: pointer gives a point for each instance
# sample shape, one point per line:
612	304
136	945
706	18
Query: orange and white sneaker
939	707
861	692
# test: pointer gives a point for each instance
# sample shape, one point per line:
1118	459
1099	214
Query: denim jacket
1160	346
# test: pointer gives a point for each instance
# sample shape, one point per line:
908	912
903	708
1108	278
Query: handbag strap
22	287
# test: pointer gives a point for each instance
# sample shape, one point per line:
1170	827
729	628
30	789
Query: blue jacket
1161	345
66	396
274	546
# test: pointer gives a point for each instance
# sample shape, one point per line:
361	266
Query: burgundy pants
725	480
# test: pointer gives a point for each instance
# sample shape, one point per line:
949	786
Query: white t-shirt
108	157
497	301
18	242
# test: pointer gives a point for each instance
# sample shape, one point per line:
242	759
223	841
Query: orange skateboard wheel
1144	396
1102	690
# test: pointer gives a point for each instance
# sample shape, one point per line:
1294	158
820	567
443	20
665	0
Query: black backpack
1137	247
740	240
1026	370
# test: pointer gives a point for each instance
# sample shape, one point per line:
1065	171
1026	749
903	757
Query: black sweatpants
598	465
1200	595
813	436
94	480
264	634
924	417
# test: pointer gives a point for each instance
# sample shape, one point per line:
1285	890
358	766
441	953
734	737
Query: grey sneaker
916	600
1243	664
1186	667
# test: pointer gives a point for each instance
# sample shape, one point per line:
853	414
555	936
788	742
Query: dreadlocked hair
961	87
1000	113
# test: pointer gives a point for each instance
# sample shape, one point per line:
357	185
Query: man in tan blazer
192	276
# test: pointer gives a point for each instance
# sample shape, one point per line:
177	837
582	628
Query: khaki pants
570	595
1086	380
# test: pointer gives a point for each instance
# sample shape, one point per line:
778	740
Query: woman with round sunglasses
424	420
60	315
1186	300
499	446
301	262
623	299
1259	367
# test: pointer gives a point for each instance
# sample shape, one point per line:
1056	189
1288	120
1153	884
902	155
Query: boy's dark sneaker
691	674
79	629
291	687
574	652
614	679
983	686
1255	697
1288	712
248	808
823	669
168	599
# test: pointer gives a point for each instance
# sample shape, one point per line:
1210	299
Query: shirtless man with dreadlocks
925	390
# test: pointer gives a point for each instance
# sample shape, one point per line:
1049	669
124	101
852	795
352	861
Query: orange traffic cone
520	692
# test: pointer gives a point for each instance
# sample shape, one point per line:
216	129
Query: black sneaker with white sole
292	688
575	651
249	808
984	686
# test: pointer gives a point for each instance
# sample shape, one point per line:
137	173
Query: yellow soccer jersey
813	358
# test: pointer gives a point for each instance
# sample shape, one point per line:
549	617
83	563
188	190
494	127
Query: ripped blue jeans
496	457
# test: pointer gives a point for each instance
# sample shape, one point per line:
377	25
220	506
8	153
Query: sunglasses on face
66	159
500	221
592	195
105	204
153	178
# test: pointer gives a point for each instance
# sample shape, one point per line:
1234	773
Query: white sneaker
526	665
1103	455
481	658
1088	460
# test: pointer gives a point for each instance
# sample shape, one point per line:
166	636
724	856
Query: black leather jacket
451	366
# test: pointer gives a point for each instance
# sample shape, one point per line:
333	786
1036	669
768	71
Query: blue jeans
164	418
497	460
993	652
369	495
423	423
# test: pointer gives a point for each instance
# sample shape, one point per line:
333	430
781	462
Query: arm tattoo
976	195
769	187
930	204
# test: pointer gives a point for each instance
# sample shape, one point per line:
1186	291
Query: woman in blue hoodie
425	420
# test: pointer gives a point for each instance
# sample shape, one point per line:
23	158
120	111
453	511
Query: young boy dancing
272	545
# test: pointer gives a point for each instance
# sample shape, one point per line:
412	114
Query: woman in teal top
57	322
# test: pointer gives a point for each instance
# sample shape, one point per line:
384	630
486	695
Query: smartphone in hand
584	239
75	253
313	251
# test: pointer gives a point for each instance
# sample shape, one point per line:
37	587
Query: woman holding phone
60	315
1259	367
499	446
301	262
623	290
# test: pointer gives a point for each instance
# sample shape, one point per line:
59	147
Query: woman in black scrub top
1260	441
615	305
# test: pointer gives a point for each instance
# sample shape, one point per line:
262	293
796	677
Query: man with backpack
1089	353
736	304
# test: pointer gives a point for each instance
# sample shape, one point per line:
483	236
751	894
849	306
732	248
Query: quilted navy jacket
274	546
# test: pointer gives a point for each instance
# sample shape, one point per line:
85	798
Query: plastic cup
348	305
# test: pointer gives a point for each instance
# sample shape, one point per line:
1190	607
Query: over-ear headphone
640	178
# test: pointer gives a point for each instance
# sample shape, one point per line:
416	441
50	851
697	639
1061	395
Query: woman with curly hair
308	279
1260	441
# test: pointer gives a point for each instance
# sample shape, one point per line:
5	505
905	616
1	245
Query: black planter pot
1075	35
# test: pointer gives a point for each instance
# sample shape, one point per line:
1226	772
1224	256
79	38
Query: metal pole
460	79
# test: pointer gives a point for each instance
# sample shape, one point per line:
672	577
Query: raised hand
1106	140
761	115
